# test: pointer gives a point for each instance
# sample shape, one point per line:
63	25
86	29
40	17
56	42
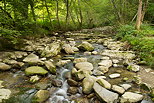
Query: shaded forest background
45	17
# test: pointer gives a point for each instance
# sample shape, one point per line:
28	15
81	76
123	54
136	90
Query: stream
90	68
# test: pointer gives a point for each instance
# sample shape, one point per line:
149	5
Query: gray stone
51	50
42	95
87	85
104	94
33	59
4	66
50	67
119	54
86	46
34	79
103	69
35	70
77	60
118	89
84	66
62	62
131	97
133	67
106	63
68	49
126	86
4	94
115	75
72	82
104	83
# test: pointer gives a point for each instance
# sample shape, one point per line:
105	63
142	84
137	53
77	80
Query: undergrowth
142	40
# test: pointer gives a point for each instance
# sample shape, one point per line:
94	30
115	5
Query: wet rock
1	86
106	63
119	54
42	95
87	85
68	49
94	52
77	60
35	70
51	50
104	94
133	67
87	53
79	75
4	66
34	79
73	71
19	64
81	100
72	82
115	75
152	93
86	46
104	83
98	73
50	67
118	89
68	75
84	66
131	97
126	86
103	69
62	62
4	94
105	58
11	62
33	59
56	83
72	90
115	61
75	49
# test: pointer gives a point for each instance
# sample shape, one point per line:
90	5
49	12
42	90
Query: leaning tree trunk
139	16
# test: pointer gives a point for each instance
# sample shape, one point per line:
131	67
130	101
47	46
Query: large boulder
131	97
87	85
50	67
51	50
68	49
104	94
42	95
33	59
35	70
84	66
86	46
4	66
4	94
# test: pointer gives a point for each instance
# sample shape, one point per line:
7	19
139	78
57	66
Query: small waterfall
61	94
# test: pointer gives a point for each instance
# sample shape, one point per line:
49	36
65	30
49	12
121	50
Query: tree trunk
144	9
57	13
32	9
139	16
48	13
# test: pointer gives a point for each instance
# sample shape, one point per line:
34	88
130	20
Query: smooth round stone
116	75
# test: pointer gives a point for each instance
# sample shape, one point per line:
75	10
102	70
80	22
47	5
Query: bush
142	40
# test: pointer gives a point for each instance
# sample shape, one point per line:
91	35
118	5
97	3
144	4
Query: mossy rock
35	70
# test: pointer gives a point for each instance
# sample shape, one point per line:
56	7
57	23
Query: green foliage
142	41
11	35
